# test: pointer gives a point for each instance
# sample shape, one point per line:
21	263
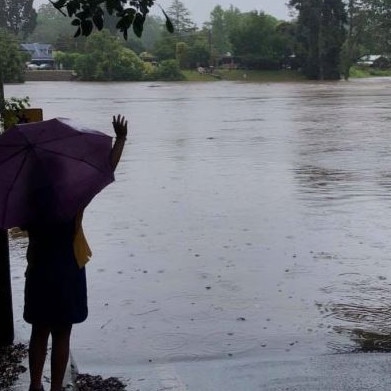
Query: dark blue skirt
56	288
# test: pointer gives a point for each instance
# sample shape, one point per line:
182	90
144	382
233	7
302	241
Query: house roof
370	57
39	51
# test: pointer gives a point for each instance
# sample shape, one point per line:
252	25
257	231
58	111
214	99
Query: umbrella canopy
49	170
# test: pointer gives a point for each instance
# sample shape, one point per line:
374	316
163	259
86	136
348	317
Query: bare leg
60	354
37	354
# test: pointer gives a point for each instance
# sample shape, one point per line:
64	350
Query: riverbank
49	75
276	76
232	75
221	74
245	75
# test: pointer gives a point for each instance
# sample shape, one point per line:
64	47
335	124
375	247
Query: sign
22	117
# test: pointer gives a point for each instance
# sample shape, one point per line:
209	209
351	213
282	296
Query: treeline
323	41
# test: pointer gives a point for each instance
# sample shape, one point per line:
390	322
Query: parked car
32	67
46	66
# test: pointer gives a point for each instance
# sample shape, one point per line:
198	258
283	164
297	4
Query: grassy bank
277	76
221	74
364	72
244	75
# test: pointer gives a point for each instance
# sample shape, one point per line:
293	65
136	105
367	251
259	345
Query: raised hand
120	125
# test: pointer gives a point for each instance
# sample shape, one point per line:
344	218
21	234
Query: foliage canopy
18	16
11	59
130	14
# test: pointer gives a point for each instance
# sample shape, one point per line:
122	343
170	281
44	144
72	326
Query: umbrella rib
69	157
14	154
29	144
55	138
79	134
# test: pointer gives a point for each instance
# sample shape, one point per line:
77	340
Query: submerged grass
366	341
359	313
275	76
245	75
359	72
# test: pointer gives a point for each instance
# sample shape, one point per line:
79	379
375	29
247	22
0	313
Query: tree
232	17
165	47
199	53
88	14
181	54
18	16
333	34
287	36
168	70
180	17
151	32
255	40
219	31
52	28
321	34
106	59
153	29
357	20
11	59
371	21
66	60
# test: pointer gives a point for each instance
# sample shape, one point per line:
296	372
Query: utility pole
210	43
6	312
2	97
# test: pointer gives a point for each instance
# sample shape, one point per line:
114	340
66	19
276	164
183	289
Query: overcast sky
200	9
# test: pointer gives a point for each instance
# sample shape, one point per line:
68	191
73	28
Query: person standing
55	286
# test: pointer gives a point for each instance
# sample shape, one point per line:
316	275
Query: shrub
168	70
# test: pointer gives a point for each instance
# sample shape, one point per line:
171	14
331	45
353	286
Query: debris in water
87	382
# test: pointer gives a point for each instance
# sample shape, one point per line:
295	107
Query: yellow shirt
81	248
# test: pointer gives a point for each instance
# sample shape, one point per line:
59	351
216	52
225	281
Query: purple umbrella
49	170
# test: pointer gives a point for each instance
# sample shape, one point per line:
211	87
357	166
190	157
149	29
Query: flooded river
247	221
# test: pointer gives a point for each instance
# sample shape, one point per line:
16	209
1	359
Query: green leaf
58	4
114	5
82	15
71	8
86	27
169	25
98	21
138	24
78	32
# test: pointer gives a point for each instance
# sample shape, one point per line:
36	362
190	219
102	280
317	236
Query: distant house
39	53
148	57
228	61
374	60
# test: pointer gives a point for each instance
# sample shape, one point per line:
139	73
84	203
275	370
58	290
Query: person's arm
120	125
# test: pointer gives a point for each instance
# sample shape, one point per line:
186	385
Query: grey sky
200	9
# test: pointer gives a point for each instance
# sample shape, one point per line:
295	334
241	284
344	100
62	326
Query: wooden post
6	312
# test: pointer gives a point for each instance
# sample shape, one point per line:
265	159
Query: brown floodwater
246	221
